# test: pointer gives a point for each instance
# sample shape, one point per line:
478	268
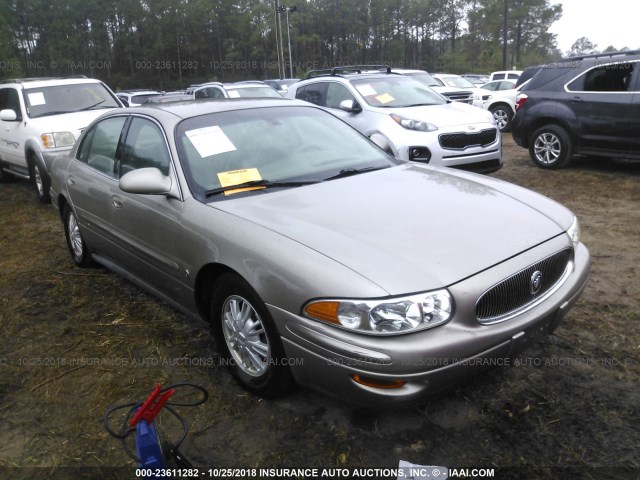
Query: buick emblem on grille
536	282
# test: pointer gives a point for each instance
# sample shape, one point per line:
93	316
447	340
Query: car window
396	91
315	93
337	93
498	76
9	100
75	97
424	77
99	145
513	76
283	144
492	86
458	82
258	91
209	92
144	146
606	78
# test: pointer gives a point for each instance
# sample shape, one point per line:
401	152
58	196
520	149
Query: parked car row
318	257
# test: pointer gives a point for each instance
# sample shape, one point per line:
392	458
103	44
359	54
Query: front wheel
77	247
550	147
40	180
247	339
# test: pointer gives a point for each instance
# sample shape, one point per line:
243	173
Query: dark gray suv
583	105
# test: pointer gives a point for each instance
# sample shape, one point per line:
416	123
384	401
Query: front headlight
58	139
411	124
385	316
574	232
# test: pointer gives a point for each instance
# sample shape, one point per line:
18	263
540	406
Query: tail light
520	100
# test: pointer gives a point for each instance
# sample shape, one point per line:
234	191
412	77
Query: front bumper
327	358
484	159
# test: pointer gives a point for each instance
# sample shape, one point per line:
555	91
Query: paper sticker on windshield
385	98
233	94
36	98
366	90
237	177
210	141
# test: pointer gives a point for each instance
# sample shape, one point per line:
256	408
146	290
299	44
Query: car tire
76	244
550	147
247	339
503	115
40	180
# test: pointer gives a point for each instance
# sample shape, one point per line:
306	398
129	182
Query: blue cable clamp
148	447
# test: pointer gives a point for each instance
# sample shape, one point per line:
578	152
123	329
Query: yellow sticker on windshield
385	98
238	177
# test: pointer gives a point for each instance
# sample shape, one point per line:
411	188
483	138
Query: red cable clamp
151	406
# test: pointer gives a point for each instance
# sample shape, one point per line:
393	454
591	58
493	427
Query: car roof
49	81
188	109
351	71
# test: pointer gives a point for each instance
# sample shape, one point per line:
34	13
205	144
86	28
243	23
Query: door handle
116	201
576	99
71	182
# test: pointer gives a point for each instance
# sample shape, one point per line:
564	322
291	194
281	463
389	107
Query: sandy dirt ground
75	342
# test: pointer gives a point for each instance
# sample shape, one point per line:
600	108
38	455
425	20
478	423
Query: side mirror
350	106
382	142
8	115
147	181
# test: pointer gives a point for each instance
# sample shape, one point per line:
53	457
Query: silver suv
406	118
41	118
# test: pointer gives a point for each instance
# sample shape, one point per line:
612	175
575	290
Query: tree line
168	44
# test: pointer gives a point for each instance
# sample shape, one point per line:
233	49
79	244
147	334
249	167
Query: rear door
601	99
92	181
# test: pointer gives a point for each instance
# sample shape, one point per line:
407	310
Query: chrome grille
464	97
516	293
459	141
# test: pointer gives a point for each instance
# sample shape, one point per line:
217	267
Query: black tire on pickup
40	179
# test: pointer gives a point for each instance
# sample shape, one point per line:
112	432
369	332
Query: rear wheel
77	247
503	115
550	147
247	339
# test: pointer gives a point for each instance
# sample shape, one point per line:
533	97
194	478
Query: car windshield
144	97
275	145
252	92
68	98
396	92
458	82
423	77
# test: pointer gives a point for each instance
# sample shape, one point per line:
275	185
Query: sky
608	22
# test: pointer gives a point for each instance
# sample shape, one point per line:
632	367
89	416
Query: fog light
375	383
419	154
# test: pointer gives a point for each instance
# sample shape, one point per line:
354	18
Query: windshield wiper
92	106
349	172
419	105
258	183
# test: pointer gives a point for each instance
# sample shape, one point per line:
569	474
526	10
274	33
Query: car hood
447	115
408	228
73	122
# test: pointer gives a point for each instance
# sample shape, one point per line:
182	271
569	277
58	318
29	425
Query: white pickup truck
41	118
